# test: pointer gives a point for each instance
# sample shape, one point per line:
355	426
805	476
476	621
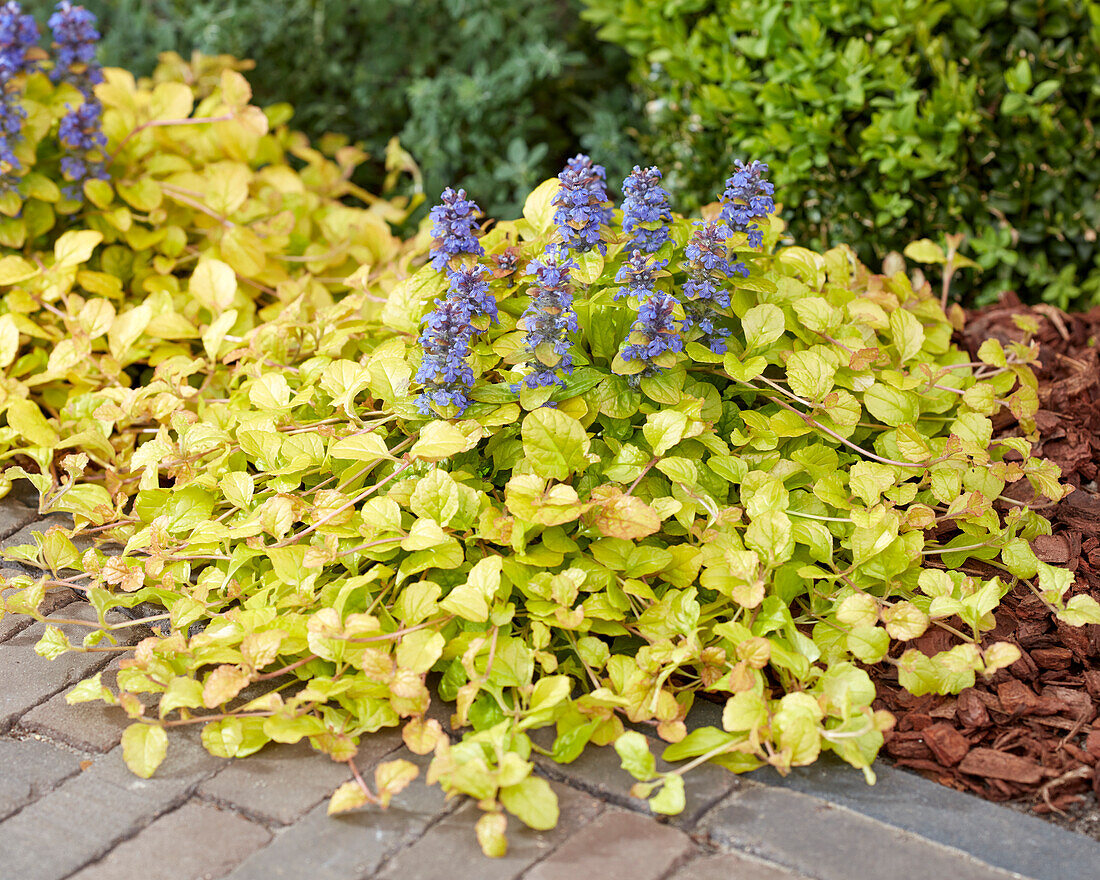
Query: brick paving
70	810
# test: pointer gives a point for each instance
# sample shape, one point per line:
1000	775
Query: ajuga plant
517	502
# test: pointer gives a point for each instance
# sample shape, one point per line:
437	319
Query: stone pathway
70	810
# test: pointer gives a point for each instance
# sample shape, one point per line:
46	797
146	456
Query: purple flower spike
549	319
638	275
645	202
659	328
748	195
454	228
709	267
448	331
582	205
75	37
18	34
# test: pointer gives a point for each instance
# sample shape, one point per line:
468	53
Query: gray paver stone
450	849
617	846
15	515
196	842
54	600
86	816
349	846
733	866
28	769
832	843
987	831
30	679
93	727
25	535
599	771
281	782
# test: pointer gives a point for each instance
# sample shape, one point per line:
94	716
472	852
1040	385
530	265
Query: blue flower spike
748	196
582	205
447	336
75	36
549	320
705	291
454	228
645	210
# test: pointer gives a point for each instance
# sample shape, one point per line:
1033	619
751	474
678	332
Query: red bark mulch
1031	733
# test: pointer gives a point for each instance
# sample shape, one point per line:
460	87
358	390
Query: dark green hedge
889	121
496	95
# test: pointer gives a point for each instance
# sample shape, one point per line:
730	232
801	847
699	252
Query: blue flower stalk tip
448	332
748	195
18	35
709	267
645	203
75	37
582	205
549	320
454	228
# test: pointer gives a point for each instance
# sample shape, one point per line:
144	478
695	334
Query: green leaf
554	443
144	747
533	802
671	799
637	760
925	251
763	324
891	406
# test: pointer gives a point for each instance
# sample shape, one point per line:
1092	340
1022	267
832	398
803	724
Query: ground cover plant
584	466
890	121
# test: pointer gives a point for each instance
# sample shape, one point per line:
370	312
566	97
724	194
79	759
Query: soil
1030	735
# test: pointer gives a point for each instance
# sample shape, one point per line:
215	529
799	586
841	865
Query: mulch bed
1030	734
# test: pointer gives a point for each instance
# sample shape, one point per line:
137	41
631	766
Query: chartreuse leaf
554	443
144	747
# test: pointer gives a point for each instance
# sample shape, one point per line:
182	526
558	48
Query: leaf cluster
890	121
494	94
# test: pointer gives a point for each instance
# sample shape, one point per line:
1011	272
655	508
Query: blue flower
709	267
645	202
75	36
659	330
549	319
582	205
18	34
83	140
454	227
748	195
638	275
471	285
448	331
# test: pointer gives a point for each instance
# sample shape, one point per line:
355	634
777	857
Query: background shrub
495	94
888	121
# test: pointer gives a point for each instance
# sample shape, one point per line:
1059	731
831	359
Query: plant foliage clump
493	94
209	364
890	121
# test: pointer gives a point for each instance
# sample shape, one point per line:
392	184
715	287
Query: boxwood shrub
890	121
